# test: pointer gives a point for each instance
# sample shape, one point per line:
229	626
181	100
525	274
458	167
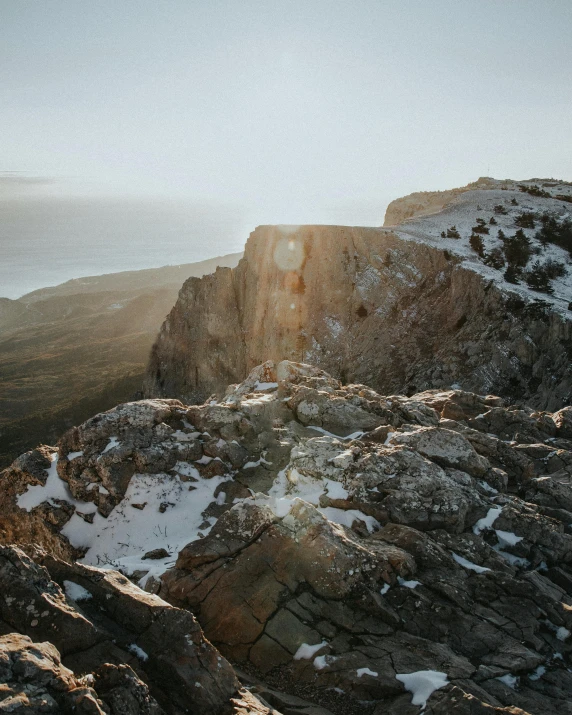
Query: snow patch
263	386
510	680
366	671
487	521
76	592
422	684
538	673
139	652
122	539
507	538
305	651
112	444
468	564
408	584
353	435
54	489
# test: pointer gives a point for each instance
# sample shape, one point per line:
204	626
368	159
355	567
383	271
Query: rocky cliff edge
472	288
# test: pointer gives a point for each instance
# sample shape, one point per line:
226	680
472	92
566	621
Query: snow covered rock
323	551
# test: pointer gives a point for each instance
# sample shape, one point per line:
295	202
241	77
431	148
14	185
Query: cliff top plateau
470	287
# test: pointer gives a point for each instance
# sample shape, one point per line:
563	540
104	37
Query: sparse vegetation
537	310
538	279
555	231
554	269
481	226
476	243
534	190
451	233
525	219
499	209
493	221
514	202
495	258
512	274
517	250
540	275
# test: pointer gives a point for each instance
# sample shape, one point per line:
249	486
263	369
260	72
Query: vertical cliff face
399	309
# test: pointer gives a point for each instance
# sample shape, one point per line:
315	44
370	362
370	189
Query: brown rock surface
106	619
351	538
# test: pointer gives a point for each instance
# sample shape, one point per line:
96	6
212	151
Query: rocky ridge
401	309
345	551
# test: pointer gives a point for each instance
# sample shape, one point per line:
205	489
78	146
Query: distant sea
46	241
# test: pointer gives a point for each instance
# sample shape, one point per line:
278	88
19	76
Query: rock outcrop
346	552
400	309
120	640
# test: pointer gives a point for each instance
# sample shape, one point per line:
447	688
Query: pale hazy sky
296	111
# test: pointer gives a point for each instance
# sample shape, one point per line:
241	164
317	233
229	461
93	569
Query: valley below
81	347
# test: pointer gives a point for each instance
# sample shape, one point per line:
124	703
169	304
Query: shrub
501	235
451	233
517	249
525	219
512	274
563	197
554	269
537	310
500	209
495	258
534	191
493	221
481	226
476	243
514	202
553	230
537	278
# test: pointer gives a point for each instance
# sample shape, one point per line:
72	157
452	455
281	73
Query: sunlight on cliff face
289	254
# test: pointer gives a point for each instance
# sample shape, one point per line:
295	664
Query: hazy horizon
295	112
213	118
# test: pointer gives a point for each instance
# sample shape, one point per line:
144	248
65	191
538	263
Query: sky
293	111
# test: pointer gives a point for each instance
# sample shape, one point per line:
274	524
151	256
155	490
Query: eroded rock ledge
345	551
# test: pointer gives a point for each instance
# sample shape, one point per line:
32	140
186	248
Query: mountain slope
69	351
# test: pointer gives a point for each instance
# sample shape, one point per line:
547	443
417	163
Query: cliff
399	309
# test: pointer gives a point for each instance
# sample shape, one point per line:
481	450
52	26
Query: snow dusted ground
463	211
121	540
